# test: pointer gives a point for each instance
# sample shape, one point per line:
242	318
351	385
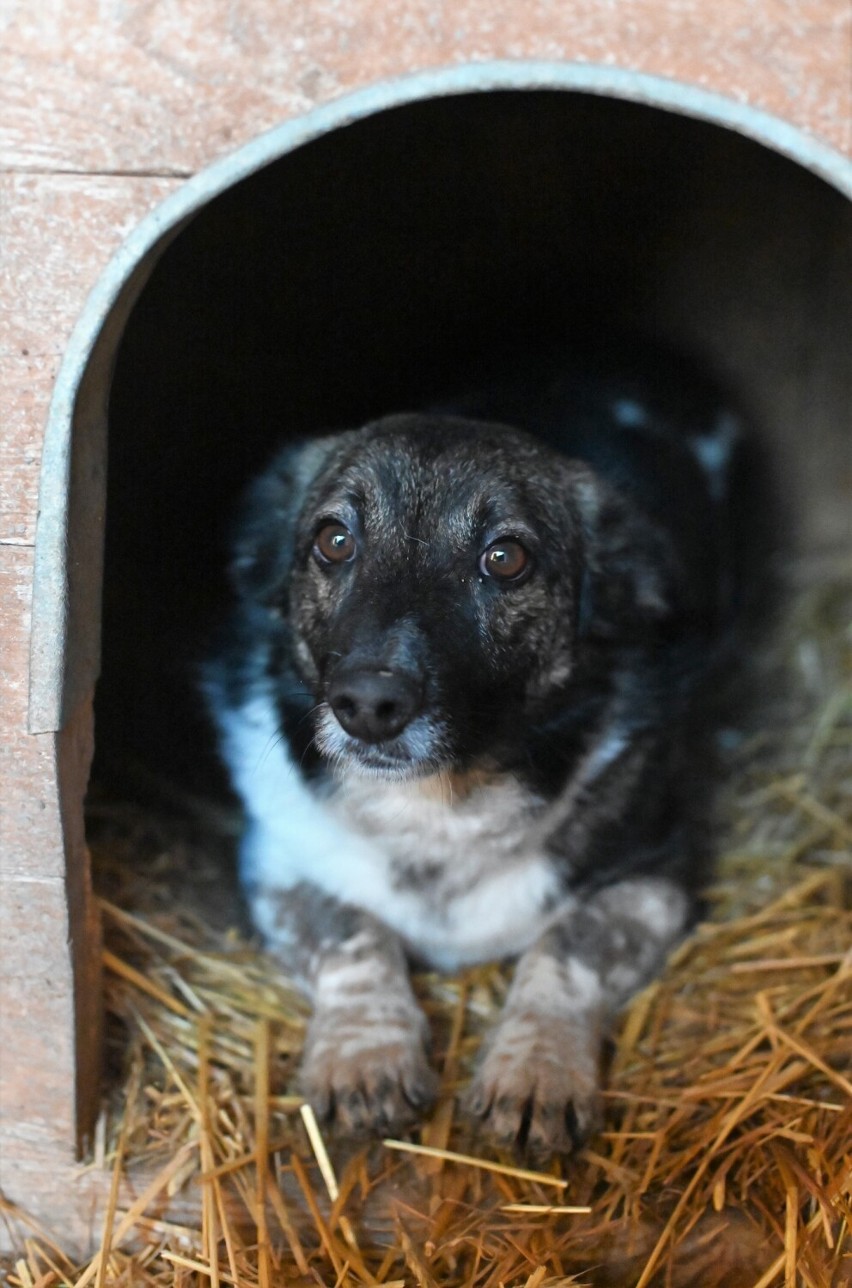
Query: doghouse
344	264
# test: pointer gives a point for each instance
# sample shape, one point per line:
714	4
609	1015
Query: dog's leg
537	1085
364	1065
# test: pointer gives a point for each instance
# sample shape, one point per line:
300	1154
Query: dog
459	696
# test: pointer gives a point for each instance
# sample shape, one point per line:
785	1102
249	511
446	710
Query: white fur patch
629	413
450	876
714	452
604	752
472	889
348	978
657	904
290	834
547	985
584	986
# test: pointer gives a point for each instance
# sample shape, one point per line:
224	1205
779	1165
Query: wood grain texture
163	88
50	1000
57	233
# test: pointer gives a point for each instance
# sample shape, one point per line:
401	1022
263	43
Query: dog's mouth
419	749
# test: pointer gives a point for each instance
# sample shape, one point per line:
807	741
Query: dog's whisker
274	741
309	714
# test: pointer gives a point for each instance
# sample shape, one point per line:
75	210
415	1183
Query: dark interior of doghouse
371	269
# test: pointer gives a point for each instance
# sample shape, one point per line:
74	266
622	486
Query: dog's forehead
437	475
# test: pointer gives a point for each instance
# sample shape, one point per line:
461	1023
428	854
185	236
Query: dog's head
425	575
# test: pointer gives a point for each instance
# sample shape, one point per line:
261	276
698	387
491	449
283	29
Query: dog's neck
453	786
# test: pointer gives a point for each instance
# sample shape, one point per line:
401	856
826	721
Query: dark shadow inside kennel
371	269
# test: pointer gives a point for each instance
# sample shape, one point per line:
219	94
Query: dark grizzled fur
582	685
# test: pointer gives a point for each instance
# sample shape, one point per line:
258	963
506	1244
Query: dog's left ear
633	580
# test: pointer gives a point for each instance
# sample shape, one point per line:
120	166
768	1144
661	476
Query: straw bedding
727	1155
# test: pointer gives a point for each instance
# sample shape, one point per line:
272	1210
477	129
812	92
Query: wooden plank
50	1001
57	233
30	839
139	89
16	569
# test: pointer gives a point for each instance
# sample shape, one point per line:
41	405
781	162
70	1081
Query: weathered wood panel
49	948
57	233
160	88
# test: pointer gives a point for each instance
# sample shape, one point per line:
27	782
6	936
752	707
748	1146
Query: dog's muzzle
374	705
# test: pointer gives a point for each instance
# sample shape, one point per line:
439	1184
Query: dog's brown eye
505	560
334	543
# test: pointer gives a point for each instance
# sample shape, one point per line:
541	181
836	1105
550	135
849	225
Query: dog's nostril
373	705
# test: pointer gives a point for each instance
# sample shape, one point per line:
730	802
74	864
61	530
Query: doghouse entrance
369	270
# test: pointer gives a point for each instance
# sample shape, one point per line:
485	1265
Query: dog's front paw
365	1071
537	1087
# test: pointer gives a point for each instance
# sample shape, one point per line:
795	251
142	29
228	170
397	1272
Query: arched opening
362	267
369	270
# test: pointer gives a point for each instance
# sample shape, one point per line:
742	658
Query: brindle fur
541	801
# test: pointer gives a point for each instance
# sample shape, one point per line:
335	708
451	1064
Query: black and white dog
457	699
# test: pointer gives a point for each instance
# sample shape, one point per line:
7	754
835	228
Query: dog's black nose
373	705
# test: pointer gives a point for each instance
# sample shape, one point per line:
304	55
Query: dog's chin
369	762
417	752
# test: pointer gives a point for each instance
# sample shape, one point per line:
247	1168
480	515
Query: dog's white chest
459	879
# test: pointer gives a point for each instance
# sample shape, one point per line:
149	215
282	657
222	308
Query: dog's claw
539	1096
363	1077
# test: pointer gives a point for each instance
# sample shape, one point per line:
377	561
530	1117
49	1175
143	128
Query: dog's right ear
263	544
